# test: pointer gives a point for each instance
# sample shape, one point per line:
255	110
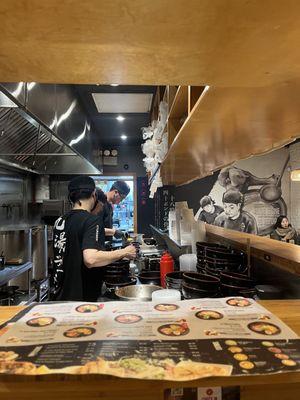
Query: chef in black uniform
117	193
78	247
233	216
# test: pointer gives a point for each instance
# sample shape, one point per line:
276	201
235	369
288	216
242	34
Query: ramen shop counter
285	256
279	386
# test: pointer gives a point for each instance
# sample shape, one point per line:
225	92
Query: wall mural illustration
248	204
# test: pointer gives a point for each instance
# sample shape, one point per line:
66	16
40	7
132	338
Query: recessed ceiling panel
123	102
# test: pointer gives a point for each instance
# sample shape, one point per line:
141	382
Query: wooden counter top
107	387
283	255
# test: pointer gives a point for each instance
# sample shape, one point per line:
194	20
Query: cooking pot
9	290
137	292
17	244
39	252
113	284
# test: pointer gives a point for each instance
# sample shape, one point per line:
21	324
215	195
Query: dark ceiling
106	128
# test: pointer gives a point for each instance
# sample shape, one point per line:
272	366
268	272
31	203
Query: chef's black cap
121	187
82	183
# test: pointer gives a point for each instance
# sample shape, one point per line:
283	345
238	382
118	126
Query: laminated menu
180	341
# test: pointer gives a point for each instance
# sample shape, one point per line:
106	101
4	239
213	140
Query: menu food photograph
180	341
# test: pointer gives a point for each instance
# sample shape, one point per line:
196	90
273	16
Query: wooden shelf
229	124
194	95
283	255
179	106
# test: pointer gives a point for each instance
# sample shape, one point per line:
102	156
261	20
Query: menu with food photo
185	340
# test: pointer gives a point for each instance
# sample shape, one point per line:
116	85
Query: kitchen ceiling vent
113	103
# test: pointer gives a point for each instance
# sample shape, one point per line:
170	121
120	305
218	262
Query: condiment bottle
166	266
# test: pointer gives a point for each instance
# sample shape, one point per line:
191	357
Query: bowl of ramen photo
128	318
173	330
264	328
40	321
79	332
238	302
209	314
166	307
88	308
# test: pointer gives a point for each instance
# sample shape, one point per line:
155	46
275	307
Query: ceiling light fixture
120	118
114	84
123	137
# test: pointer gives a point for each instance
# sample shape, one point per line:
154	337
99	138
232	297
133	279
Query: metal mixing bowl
136	293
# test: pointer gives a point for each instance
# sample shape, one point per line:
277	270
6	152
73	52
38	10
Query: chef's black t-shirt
106	216
74	232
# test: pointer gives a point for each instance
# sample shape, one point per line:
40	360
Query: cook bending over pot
284	231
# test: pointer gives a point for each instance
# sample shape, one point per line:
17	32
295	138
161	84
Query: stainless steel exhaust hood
27	144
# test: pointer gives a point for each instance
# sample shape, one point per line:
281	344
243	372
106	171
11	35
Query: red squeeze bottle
166	266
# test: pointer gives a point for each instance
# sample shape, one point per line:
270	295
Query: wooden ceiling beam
199	42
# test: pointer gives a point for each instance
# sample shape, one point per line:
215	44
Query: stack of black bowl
234	284
196	285
201	253
222	259
117	275
174	280
149	277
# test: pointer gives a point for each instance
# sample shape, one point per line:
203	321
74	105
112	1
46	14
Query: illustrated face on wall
231	209
209	208
285	223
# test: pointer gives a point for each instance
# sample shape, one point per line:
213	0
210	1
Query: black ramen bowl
200	268
223	265
202	246
201	281
117	270
232	290
154	263
233	256
174	280
113	285
190	292
236	279
149	241
149	277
